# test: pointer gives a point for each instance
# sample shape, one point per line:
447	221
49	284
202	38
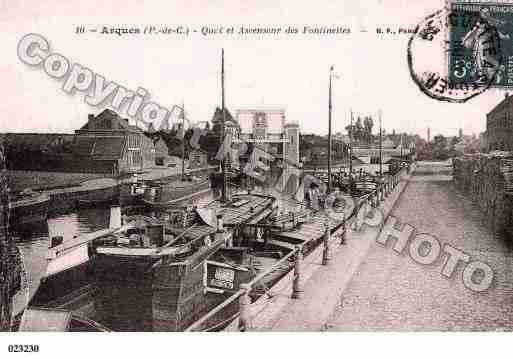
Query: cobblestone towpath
391	291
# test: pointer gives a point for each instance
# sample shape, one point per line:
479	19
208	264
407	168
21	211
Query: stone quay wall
488	180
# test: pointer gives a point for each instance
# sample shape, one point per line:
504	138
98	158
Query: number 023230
23	348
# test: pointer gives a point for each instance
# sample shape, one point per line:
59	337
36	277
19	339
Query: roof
109	120
218	117
507	99
100	147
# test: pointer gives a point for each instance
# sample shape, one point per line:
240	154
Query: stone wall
486	179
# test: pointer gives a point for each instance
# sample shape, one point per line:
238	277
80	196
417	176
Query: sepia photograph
208	177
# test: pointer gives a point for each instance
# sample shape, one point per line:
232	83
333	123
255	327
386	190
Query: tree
440	141
350	131
368	123
358	129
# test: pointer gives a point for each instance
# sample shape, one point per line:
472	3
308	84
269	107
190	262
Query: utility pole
183	142
351	144
380	146
401	146
224	195
329	132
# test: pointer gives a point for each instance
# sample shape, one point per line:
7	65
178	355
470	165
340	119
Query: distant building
468	144
231	128
315	149
499	126
342	138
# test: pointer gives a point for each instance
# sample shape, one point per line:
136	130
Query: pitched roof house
109	137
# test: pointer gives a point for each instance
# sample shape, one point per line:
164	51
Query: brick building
499	126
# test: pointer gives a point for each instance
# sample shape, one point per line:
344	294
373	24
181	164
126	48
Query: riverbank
65	189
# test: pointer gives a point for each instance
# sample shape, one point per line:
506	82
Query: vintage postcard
254	166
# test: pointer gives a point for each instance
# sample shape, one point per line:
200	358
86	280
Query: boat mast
401	146
351	145
380	146
223	163
329	132
183	141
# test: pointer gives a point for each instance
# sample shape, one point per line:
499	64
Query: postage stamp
472	45
480	43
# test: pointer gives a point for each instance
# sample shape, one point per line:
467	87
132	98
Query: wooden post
326	249
297	284
244	303
220	227
343	235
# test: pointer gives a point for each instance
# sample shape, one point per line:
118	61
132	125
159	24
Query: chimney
90	117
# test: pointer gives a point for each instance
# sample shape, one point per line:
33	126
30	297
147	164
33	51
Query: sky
288	71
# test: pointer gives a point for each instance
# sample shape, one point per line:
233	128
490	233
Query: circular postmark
454	55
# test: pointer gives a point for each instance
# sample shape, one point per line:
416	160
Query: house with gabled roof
111	140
